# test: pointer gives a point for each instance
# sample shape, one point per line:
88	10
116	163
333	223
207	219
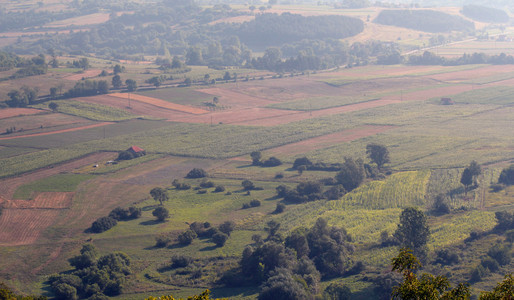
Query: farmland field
58	178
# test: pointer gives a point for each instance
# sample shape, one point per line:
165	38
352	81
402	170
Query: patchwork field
52	190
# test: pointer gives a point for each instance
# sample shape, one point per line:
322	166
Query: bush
162	240
440	206
507	176
219	189
187	237
280	208
121	214
196	173
180	261
446	257
206	184
509	236
161	213
478	273
255	203
279	175
201	192
246	206
490	264
271	162
227	227
500	253
219	239
496	187
103	224
247	185
125	155
302	161
180	185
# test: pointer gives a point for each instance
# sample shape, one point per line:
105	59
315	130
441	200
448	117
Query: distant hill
423	20
485	14
275	30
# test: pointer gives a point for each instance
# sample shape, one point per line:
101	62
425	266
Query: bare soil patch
9	185
43	121
57	131
236	98
85	74
24	226
14	112
475	73
49	200
92	19
328	140
238	19
160	103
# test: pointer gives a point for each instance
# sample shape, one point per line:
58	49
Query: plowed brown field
13	112
56	131
160	103
55	200
24	226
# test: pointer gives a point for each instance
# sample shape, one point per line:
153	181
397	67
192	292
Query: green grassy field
95	112
57	183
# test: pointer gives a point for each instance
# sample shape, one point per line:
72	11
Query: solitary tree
53	106
413	231
466	179
159	194
131	85
116	81
378	154
256	158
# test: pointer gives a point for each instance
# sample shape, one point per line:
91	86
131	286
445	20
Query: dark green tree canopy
413	231
378	154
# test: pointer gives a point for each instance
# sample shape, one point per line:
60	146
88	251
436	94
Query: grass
499	95
95	112
318	103
56	183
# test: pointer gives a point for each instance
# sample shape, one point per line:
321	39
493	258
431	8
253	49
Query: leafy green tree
86	259
118	69
176	63
103	87
427	287
378	154
161	213
53	106
351	175
187	237
227	227
219	239
503	290
247	185
102	224
283	285
337	291
116	81
466	179
159	194
131	85
507	176
413	231
256	158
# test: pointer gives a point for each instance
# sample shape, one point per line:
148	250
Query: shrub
201	192
125	155
206	184
219	189
446	257
180	261
247	185
335	192
121	214
187	237
102	224
507	176
180	185
440	206
255	203
271	162
302	161
280	208
509	236
279	175
227	227
490	264
161	213
500	253
162	240
496	187
196	173
478	273
219	239
246	206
